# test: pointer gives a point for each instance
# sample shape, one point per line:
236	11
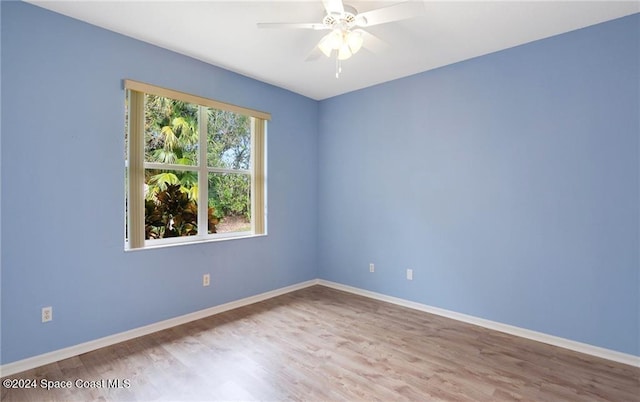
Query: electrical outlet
47	314
410	274
372	268
206	280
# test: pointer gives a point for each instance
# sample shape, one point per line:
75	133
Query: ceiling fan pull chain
338	67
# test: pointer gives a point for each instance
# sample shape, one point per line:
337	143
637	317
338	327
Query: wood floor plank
321	344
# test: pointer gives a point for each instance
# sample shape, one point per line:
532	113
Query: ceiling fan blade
396	12
314	54
372	42
333	6
310	25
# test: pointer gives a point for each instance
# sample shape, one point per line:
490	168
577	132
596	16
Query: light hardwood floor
323	344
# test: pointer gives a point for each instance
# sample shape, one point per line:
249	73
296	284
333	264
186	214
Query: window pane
228	140
171	203
230	198
171	131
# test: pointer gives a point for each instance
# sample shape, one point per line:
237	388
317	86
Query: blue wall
508	183
63	188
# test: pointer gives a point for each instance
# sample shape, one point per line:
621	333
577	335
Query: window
195	168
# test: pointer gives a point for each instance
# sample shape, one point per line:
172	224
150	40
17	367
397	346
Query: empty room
320	200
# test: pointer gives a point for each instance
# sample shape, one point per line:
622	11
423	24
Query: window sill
160	244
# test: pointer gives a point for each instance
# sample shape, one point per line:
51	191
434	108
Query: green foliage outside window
172	213
171	137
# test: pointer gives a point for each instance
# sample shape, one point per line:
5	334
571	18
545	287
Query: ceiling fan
345	23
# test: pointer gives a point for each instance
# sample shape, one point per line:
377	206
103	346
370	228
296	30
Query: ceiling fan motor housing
344	20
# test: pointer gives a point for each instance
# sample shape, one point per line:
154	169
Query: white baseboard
497	326
57	355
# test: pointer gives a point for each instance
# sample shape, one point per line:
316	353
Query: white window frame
135	238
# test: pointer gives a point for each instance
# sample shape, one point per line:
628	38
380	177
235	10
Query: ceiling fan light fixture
326	45
354	40
344	52
346	42
336	38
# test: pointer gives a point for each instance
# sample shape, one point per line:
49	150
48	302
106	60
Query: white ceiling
224	33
